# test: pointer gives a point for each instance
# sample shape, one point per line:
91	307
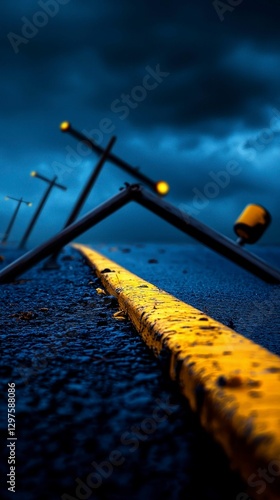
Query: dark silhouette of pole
160	187
61	239
171	214
52	183
12	221
52	262
89	185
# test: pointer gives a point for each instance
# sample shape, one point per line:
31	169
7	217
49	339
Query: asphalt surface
211	283
87	385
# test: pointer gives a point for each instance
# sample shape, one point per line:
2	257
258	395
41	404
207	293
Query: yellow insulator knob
162	188
252	223
64	126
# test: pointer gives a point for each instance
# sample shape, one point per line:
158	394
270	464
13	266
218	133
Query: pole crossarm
18	199
50	181
171	214
116	160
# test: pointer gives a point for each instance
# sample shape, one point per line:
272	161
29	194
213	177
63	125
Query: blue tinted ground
87	386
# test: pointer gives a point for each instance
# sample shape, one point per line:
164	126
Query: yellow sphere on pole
64	126
162	188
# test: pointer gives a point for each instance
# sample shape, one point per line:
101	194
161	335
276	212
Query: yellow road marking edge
231	382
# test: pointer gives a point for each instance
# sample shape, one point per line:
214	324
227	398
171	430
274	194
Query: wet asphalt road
86	385
211	283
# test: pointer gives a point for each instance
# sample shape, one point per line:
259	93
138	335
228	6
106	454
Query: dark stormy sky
212	100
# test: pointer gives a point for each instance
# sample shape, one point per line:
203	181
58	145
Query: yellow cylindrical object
252	223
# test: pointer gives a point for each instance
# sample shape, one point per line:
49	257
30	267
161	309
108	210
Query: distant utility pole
52	262
11	223
52	183
89	185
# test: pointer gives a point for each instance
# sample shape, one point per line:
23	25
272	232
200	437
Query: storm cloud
184	92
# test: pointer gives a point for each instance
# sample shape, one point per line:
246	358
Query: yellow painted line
231	382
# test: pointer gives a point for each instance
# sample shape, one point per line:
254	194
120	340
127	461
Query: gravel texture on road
86	385
212	284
